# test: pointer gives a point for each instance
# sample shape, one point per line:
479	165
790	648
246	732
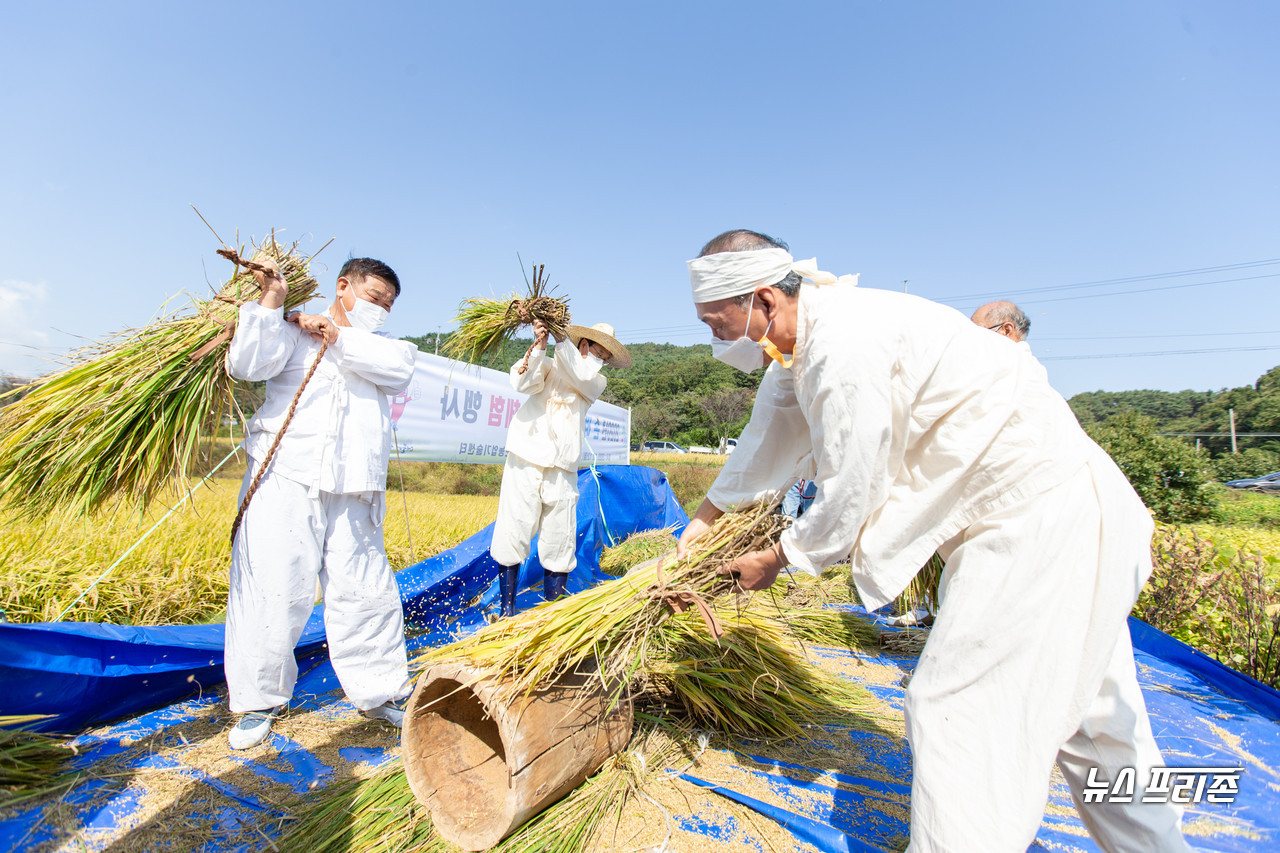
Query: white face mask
365	315
745	354
595	362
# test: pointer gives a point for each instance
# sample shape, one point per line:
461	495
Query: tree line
682	394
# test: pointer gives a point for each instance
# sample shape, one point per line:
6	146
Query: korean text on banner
458	412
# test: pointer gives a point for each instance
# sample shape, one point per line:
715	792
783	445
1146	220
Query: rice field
179	574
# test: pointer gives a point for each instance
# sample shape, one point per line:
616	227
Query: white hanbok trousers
1030	662
536	501
288	540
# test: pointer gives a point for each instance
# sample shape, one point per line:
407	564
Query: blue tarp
84	674
852	795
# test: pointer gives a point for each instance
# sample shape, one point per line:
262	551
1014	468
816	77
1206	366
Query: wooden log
483	768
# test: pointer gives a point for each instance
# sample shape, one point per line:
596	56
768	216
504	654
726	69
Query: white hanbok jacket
340	438
913	421
547	430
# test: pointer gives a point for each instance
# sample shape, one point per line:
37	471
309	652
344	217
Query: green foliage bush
1170	476
1246	509
1252	462
1222	601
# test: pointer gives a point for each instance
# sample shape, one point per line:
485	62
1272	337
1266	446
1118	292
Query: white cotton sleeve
262	343
385	362
773	450
851	428
578	372
534	377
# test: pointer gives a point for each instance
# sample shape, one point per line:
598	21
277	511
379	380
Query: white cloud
21	306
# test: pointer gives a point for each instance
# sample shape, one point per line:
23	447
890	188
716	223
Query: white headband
727	274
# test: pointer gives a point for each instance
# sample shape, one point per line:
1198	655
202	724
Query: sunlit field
179	574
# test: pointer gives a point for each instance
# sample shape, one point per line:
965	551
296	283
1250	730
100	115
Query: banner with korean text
458	412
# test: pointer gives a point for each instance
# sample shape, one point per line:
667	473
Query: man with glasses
1003	318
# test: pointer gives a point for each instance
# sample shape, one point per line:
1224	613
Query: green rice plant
755	681
128	416
830	627
833	586
30	763
375	813
485	324
636	549
178	575
922	591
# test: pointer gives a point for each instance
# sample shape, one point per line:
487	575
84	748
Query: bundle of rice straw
30	763
755	681
635	549
484	325
613	622
380	813
922	592
128	415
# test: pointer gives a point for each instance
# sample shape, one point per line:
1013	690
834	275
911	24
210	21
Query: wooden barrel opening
484	768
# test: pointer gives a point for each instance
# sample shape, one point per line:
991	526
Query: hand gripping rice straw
484	325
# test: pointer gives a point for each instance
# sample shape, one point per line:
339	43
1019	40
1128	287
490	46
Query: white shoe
253	728
919	616
389	712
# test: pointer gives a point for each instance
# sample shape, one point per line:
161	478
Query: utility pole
1233	429
904	285
438	340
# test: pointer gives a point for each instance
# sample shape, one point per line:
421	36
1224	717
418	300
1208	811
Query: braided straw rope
262	469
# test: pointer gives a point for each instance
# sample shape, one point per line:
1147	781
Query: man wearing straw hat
317	511
925	432
539	494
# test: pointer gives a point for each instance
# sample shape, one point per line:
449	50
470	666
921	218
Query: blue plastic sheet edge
83	674
1251	692
823	836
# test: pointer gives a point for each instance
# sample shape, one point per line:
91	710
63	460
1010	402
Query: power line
1151	289
1127	336
1125	280
1156	353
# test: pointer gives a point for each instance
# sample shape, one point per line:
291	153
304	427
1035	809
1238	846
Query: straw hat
602	333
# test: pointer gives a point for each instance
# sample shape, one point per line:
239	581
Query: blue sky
974	150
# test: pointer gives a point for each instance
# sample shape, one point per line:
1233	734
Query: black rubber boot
553	585
508	578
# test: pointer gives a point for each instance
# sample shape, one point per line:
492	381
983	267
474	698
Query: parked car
1269	483
663	447
725	446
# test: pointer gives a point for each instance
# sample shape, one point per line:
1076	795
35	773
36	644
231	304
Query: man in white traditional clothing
1003	318
317	512
544	443
923	433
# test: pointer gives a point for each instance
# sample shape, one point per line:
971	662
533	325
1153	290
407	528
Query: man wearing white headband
924	432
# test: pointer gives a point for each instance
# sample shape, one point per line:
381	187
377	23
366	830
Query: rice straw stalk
128	416
485	324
